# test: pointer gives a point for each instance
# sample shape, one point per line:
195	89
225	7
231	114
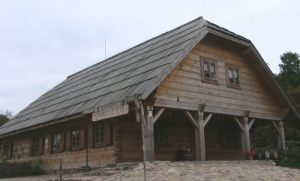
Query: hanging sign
110	110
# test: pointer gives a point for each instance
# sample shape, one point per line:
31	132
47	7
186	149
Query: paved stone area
187	171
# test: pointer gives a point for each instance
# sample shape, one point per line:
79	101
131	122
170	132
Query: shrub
3	157
291	157
36	167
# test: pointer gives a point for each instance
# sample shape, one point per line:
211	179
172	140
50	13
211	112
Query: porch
168	132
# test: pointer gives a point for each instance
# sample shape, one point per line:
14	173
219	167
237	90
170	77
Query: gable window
233	76
209	70
102	134
161	135
37	146
57	145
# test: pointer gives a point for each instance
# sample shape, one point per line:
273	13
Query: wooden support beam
191	118
251	123
201	135
158	114
239	124
199	132
147	129
276	127
207	119
246	136
280	134
149	135
197	144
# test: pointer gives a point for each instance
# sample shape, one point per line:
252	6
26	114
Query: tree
289	75
289	79
5	117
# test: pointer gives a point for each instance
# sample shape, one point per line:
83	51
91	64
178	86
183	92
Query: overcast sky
42	42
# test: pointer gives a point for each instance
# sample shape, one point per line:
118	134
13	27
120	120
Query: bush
291	157
3	157
36	168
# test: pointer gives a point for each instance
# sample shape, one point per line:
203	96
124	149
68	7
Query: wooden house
198	87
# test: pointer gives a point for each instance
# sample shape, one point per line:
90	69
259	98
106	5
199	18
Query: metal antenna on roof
104	49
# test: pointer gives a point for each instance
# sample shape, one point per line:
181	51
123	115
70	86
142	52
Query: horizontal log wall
185	89
180	135
71	159
131	148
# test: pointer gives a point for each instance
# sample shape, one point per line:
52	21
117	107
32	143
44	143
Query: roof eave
49	123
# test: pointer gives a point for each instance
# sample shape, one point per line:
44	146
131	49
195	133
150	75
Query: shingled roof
134	73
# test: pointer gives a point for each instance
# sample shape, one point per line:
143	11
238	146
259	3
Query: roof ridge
224	30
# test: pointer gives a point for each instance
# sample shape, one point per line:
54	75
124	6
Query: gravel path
187	171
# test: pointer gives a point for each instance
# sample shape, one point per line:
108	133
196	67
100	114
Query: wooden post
281	137
200	137
197	143
245	136
86	141
148	135
60	170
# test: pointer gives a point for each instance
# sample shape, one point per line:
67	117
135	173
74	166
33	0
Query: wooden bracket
276	127
206	120
202	107
251	123
239	123
158	114
137	110
191	118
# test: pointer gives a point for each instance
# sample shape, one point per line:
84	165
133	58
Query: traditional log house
200	87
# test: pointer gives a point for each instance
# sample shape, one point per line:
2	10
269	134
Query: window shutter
107	134
31	147
90	136
68	141
11	150
82	138
62	142
41	145
50	143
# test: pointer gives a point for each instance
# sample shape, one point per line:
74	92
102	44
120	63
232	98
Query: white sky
42	42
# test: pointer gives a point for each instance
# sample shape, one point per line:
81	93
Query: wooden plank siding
185	89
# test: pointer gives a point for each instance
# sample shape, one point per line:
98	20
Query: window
161	135
233	77
57	143
77	138
37	146
99	134
8	150
209	70
102	134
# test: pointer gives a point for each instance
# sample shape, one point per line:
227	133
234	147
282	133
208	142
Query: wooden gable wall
184	88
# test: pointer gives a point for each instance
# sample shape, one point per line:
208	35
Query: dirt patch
158	170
